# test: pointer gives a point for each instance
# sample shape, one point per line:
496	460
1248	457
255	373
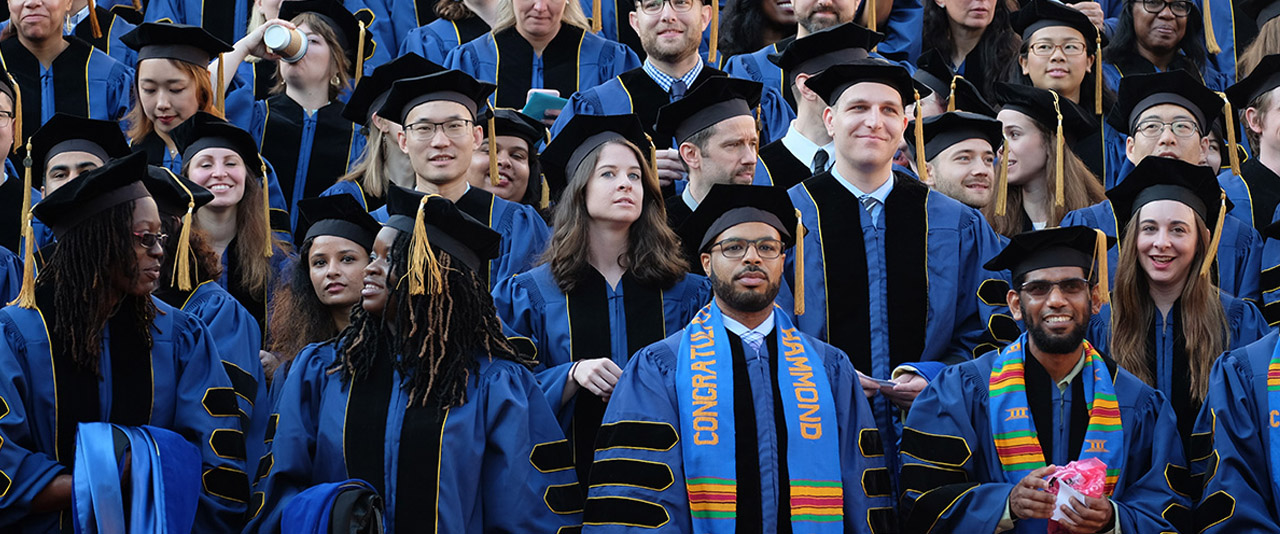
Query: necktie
869	203
753	339
819	161
678	89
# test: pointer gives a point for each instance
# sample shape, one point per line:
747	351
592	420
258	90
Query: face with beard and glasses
1056	320
670	30
749	282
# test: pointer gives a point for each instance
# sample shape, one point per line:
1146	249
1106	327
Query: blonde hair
1204	323
1266	43
370	172
572	15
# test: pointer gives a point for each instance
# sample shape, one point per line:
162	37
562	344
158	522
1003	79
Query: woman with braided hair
87	342
422	396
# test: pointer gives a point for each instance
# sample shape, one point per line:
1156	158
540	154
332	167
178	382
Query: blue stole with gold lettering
1273	403
704	376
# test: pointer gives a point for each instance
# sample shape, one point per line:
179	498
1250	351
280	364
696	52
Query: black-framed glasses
653	7
453	129
148	239
1069	48
6	118
736	249
1152	128
1180	8
1042	288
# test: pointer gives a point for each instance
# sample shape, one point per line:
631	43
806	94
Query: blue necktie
869	203
753	339
678	89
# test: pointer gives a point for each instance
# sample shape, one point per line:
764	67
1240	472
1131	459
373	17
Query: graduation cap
834	81
1069	246
728	205
511	122
1264	77
451	85
566	152
339	216
935	72
942	131
1065	118
717	99
181	42
1038	14
1156	178
815	52
93	192
353	35
70	133
1262	11
1140	92
435	222
203	131
372	90
176	196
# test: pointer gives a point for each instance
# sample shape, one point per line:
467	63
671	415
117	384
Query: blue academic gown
1169	364
10	275
497	463
1224	31
258	305
236	335
1270	280
81	81
1232	446
1238	193
524	233
311	150
645	413
182	388
574	60
351	187
953	481
435	40
922	306
533	306
1239	249
635	92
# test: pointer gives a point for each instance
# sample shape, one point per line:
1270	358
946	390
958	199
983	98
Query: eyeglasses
653	7
1180	8
1041	288
736	249
6	118
453	129
1069	48
148	239
1153	128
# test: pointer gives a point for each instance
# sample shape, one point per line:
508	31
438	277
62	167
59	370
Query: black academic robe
784	169
677	211
1264	191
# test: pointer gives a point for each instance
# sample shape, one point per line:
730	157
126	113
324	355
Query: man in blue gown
441	160
892	273
761	427
977	440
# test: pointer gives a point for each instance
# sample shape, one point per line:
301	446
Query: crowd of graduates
639	265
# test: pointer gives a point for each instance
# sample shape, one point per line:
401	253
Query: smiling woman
1156	36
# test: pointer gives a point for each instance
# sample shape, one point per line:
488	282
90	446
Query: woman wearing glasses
222	158
1157	36
609	283
544	44
1168	322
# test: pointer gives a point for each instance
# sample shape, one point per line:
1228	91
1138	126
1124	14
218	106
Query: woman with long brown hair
611	281
1030	161
1168	321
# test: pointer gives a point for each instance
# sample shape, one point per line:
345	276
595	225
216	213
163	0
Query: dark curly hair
1124	42
997	48
82	274
298	318
434	338
742	27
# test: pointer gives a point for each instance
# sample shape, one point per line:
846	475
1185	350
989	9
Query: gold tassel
221	91
493	153
1210	256
93	20
653	157
266	211
597	21
951	98
545	200
1100	251
17	116
360	54
1057	161
27	294
1002	181
1097	74
424	268
871	18
1210	41
715	31
1230	124
799	289
182	275
920	169
137	5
